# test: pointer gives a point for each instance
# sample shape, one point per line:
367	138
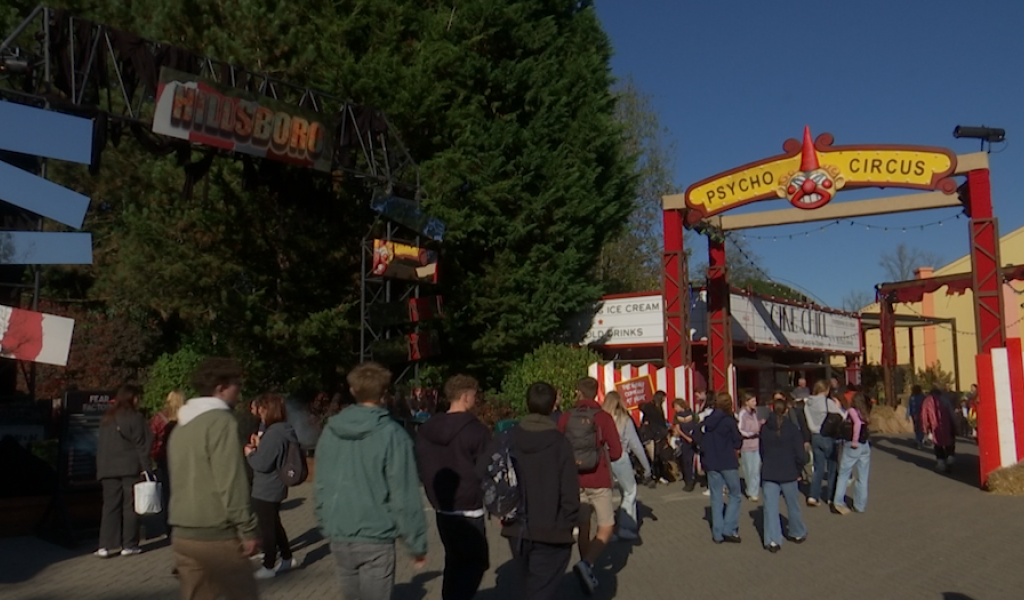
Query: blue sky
732	80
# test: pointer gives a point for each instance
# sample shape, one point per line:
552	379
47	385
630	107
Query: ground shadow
293	503
757	516
506	584
316	555
306	540
955	596
965	470
415	589
612	562
644	513
20	565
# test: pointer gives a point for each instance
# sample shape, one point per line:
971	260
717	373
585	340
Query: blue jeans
825	451
772	521
725	520
861	457
622	469
750	462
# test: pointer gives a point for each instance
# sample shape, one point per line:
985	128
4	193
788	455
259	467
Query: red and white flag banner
34	336
1000	407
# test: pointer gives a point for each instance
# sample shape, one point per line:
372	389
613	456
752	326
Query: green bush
172	371
561	366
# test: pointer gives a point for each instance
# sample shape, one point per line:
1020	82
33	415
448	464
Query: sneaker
940	465
628	535
732	539
663	481
840	509
812	502
131	551
285	565
652	483
799	540
258	557
773	548
265	573
754	498
706	493
585	573
689	487
104	553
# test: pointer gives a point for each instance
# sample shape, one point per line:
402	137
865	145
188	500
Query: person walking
595	443
721	441
750	453
622	469
215	530
160	427
783	456
367	490
914	406
653	435
122	456
937	423
817	409
545	466
448	448
856	453
684	426
266	455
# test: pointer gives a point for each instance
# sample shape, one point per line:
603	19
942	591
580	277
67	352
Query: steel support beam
676	296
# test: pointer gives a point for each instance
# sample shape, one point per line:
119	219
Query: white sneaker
285	565
265	573
706	493
258	557
753	498
131	551
585	574
104	553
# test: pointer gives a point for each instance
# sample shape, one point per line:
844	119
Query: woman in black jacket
782	459
122	455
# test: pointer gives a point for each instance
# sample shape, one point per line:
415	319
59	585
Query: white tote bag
147	496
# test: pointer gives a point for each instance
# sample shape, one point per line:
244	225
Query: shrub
172	371
561	366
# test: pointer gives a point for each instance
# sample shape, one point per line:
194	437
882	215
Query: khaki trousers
208	570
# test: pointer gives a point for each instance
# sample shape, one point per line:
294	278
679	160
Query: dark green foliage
506	105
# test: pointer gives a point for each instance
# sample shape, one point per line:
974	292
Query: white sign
626	322
639	320
771	323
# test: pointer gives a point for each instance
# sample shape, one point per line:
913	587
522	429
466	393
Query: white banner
639	320
626	322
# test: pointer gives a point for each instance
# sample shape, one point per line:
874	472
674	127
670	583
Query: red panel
1016	362
719	321
676	292
988	430
988	294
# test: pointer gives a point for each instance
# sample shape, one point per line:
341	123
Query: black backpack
832	425
293	471
846	431
582	432
503	494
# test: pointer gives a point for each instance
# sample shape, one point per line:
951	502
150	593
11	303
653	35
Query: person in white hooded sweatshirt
214	527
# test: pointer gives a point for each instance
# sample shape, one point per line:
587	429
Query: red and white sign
34	336
635	391
1000	407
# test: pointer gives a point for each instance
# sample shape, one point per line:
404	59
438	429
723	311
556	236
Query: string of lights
852	223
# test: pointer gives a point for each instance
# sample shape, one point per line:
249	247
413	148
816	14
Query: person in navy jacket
721	442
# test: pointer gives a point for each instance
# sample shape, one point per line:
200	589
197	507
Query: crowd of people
549	479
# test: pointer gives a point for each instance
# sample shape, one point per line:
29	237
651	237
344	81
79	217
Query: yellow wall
935	343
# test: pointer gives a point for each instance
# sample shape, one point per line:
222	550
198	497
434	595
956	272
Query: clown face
811	189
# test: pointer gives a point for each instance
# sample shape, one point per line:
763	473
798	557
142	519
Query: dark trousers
686	455
272	533
541	567
119	525
944	452
465	555
163	475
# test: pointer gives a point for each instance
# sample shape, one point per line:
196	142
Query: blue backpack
503	493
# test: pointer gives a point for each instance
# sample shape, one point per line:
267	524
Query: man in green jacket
214	526
367	489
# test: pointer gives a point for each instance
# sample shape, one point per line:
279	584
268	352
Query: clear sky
731	80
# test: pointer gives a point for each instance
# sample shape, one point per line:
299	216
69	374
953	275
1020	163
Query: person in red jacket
592	432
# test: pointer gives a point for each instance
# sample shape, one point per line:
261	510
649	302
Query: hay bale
887	420
1007	481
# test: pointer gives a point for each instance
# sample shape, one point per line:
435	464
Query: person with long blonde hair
160	426
622	469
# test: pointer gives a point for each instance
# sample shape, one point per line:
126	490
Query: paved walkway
925	536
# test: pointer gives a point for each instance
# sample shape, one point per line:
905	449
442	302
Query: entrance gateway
809	175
